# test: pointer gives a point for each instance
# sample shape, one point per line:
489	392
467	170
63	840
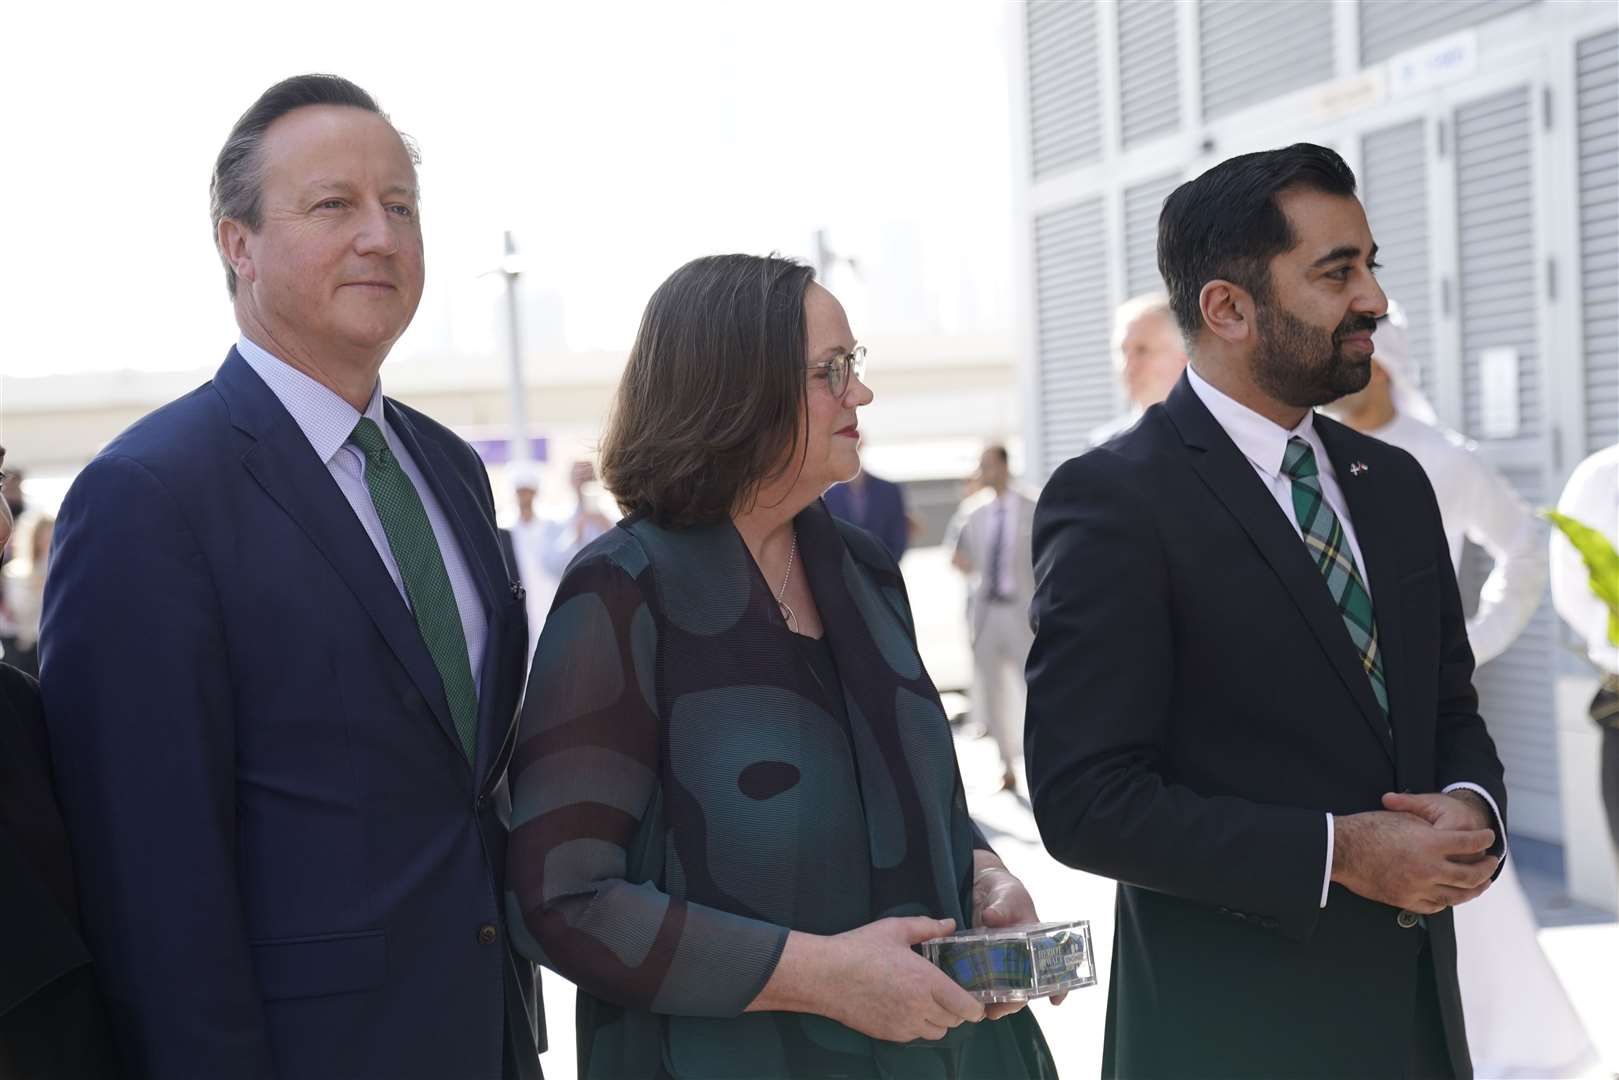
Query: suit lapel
480	547
1233	481
286	467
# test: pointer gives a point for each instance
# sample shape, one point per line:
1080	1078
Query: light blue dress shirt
327	421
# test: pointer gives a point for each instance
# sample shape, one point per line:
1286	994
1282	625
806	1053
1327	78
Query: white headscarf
1391	347
522	477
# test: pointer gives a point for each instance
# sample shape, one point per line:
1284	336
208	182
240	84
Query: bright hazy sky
616	139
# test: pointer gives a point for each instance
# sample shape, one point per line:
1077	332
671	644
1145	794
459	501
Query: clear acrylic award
1016	963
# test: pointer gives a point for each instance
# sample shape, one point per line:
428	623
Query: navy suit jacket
287	866
883	515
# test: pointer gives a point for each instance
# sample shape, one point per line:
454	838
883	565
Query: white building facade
1485	136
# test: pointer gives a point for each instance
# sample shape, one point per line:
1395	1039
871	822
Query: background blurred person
876	505
585	522
1520	1021
24	582
11	491
1591	497
1476	502
281	660
53	1025
992	548
741	807
1250	693
526	539
1148	357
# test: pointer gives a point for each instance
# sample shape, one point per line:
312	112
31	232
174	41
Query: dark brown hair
1227	225
712	399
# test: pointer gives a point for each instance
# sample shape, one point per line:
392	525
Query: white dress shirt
1264	443
1591	497
1478	504
327	421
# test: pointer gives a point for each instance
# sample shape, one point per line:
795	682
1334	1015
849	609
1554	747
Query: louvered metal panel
1065	118
1254	50
1149	69
1142	205
1071	312
1516	695
1388	27
1394	185
1597	102
1496	239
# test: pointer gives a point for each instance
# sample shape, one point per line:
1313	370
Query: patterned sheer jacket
684	793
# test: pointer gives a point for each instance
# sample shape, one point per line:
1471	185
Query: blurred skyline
616	141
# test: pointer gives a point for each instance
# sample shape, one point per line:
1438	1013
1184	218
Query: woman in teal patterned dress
735	798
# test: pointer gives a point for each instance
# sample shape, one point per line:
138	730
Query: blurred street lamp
511	268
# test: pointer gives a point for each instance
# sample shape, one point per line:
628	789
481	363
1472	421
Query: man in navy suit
876	505
282	660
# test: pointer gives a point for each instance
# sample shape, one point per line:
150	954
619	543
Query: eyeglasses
837	370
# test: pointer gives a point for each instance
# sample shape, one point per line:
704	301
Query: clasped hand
1421	853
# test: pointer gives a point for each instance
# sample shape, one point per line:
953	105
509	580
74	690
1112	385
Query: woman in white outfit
1520	1022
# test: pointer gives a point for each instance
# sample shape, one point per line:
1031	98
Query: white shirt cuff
1326	877
1498	825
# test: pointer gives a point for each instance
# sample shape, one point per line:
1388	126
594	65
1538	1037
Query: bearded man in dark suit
1250	692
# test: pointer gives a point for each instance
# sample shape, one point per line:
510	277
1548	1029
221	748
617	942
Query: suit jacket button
517	591
1406	919
487	934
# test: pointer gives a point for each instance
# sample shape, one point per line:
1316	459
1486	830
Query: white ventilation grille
1597	100
1149	70
1394	186
1142	205
1254	50
1076	375
1388	27
1065	93
1495	216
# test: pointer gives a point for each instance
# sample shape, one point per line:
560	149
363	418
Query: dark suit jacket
1195	705
51	1020
287	866
883	514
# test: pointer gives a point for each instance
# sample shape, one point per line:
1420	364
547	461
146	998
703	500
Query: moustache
1355	324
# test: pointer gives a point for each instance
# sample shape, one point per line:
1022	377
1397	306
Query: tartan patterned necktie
1324	536
427	583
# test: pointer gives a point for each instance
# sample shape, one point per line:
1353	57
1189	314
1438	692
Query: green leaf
1601	561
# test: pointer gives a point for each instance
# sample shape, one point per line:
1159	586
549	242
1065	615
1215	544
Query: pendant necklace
787	612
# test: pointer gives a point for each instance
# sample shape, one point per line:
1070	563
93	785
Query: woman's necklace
787	612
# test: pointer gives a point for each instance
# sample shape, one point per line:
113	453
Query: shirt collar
1261	440
325	418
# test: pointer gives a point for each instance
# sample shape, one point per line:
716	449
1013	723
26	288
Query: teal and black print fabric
684	794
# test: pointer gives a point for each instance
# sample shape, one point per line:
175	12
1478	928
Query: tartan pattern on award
1324	536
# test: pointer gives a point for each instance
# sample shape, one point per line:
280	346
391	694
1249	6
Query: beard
1303	366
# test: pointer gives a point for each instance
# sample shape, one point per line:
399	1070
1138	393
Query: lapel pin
1357	468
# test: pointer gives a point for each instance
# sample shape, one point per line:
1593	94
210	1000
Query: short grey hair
1155	303
236	190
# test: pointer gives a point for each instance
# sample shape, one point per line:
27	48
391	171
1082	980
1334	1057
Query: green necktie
1324	536
421	566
